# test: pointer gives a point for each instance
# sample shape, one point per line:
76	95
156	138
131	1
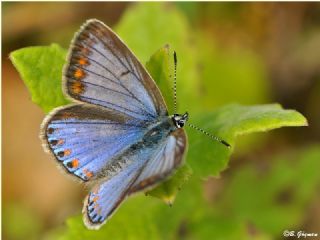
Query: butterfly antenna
209	135
175	81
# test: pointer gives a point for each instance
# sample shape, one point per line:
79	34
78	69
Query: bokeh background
254	53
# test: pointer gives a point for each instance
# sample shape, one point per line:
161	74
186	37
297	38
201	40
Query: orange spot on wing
67	152
79	73
75	163
77	87
60	142
96	198
83	61
87	173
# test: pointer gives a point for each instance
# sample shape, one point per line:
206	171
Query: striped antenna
175	82
209	135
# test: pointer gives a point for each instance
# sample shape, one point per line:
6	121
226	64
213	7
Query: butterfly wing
85	138
109	192
149	167
102	70
105	197
163	163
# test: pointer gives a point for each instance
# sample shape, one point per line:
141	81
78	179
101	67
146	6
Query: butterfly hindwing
163	163
103	71
149	166
105	197
84	138
109	192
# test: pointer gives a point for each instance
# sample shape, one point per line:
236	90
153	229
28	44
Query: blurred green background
248	53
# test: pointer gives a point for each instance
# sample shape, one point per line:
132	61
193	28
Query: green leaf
41	70
207	157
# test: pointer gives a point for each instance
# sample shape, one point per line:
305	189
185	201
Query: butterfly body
152	136
118	137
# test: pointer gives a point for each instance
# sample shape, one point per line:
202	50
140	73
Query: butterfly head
179	120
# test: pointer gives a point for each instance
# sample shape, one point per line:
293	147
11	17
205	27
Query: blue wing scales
104	198
84	138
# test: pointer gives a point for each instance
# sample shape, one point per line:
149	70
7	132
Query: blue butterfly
118	137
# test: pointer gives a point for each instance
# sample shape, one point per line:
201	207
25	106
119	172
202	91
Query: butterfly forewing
103	71
85	138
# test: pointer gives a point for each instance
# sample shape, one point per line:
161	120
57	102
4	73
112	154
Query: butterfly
117	137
